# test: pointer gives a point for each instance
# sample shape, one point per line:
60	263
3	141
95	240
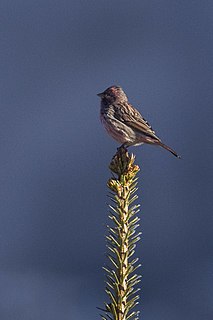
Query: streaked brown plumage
124	123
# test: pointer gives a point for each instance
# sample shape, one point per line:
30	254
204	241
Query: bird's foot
122	147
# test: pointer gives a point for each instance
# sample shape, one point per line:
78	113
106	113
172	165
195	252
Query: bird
124	123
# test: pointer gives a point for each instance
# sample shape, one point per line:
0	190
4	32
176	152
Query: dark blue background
55	56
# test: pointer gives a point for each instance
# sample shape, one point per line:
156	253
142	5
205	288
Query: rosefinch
124	123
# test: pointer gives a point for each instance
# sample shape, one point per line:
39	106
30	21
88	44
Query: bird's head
113	94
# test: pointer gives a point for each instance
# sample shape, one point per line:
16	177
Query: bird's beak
100	95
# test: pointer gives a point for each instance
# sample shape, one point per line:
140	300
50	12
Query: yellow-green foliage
121	240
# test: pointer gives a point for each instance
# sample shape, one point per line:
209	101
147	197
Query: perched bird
124	123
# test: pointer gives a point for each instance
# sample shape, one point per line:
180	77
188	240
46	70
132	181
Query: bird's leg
123	146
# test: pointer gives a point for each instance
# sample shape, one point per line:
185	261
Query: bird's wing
135	120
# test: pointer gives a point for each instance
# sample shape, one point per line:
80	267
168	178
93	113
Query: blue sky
55	56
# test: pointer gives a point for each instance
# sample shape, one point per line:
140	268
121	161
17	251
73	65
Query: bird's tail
169	149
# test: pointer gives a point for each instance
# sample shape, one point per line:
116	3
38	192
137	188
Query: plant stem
121	277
